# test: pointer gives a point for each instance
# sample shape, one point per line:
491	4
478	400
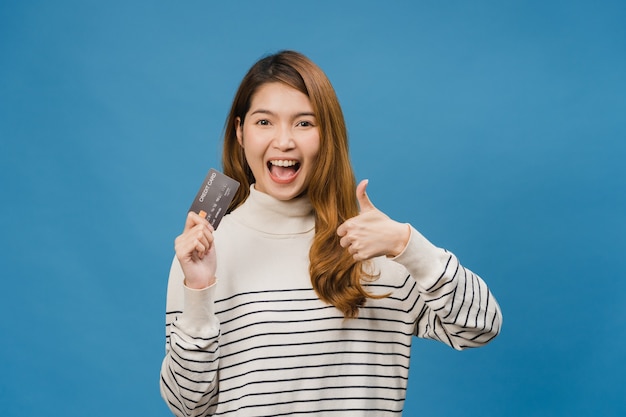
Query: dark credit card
214	197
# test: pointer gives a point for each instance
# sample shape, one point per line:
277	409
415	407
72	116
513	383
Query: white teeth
283	162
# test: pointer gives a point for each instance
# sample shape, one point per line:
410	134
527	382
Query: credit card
214	197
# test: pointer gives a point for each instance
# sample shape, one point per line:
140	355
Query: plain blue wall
496	128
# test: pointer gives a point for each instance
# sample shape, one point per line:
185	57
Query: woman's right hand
195	252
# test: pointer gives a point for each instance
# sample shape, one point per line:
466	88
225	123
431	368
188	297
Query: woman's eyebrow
262	111
305	114
271	113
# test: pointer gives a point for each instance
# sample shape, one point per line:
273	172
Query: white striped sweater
260	342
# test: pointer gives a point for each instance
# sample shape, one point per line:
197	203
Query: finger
204	242
185	245
363	199
341	230
200	251
358	257
198	239
345	228
194	219
204	238
185	249
357	254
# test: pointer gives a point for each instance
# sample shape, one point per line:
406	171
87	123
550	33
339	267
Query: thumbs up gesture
372	233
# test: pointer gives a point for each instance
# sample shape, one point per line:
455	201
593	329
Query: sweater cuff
423	260
199	309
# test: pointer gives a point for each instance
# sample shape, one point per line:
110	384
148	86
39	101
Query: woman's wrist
403	235
199	285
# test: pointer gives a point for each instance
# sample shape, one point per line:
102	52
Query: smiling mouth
283	169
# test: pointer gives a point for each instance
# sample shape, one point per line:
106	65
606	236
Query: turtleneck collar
266	214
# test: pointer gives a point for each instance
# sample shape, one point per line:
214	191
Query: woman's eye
305	123
263	122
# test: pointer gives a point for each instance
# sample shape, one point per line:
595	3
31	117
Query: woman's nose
284	139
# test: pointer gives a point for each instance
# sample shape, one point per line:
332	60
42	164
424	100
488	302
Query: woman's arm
460	309
189	371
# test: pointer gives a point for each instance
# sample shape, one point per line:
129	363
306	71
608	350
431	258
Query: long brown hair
336	277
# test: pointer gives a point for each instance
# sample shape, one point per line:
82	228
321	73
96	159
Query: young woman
306	299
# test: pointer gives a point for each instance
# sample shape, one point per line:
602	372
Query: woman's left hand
372	233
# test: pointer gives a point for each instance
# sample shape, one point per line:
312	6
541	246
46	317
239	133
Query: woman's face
280	139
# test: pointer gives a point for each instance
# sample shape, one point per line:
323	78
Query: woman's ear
239	130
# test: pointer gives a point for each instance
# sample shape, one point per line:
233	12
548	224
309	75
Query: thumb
363	199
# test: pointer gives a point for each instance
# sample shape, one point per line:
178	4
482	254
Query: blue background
497	128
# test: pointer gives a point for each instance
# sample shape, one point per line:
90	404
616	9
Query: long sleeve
260	342
459	308
189	382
